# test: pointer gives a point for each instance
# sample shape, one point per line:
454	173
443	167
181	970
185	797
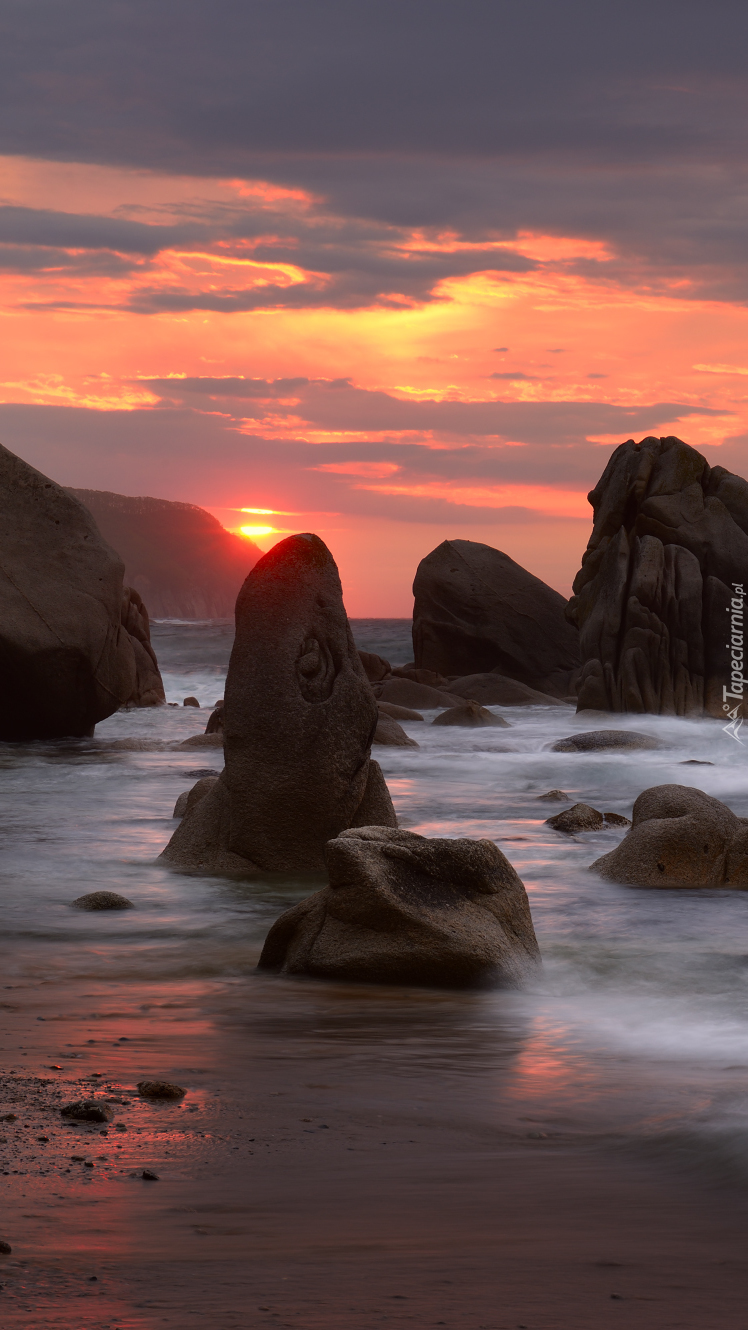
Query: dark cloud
183	453
39	259
623	123
339	405
64	230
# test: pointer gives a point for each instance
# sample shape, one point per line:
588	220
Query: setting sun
251	531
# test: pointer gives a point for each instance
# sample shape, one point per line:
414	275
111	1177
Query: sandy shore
312	1177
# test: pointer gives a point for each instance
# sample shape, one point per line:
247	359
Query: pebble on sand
87	1110
160	1090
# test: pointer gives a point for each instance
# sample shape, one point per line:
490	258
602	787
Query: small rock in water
202	741
695	762
149	1176
160	1090
581	817
616	820
398	713
87	1110
604	741
103	900
470	713
190	702
5	1249
554	796
390	733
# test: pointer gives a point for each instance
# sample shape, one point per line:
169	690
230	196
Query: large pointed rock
401	909
659	598
476	611
299	717
67	657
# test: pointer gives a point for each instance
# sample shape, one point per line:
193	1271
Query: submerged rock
398	713
582	817
401	909
410	693
103	900
191	702
470	713
393	735
477	610
659	598
604	741
496	690
299	718
680	837
213	740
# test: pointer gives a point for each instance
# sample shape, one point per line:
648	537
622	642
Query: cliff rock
179	558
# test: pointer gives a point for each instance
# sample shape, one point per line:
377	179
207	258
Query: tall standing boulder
659	598
67	659
299	717
476	611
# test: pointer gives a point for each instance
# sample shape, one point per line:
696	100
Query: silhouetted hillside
182	561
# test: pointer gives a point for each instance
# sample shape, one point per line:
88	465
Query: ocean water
635	1030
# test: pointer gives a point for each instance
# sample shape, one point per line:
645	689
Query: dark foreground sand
313	1178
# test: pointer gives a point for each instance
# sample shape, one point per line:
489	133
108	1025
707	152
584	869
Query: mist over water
636	1028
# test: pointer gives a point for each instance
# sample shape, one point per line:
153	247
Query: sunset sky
397	272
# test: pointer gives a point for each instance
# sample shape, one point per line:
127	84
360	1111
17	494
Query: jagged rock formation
74	645
401	909
299	717
178	556
476	610
680	837
659	598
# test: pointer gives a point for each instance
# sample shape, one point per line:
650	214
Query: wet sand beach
316	1175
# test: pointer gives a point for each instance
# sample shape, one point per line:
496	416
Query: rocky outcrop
299	717
74	647
680	837
178	556
189	798
401	909
476	610
659	598
149	687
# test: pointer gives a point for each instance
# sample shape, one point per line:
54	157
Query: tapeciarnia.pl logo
737	682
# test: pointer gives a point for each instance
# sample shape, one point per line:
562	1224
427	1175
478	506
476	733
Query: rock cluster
659	598
299	717
74	645
680	837
401	909
478	611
